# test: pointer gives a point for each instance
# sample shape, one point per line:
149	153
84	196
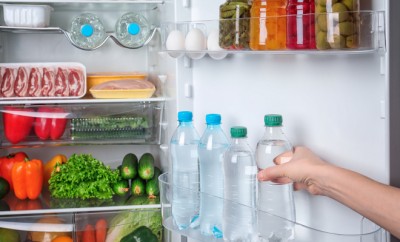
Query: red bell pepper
50	123
18	123
7	163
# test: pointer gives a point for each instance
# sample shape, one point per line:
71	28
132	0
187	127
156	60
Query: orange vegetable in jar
27	178
49	166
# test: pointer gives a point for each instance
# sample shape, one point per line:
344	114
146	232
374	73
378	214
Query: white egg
195	40
213	45
175	41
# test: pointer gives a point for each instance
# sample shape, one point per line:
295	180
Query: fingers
270	174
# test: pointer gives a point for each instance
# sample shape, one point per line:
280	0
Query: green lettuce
83	177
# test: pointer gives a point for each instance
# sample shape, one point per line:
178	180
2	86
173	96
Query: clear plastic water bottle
276	213
212	147
240	189
132	29
185	172
87	31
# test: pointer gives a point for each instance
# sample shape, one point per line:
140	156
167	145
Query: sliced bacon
7	86
48	80
34	88
74	81
61	83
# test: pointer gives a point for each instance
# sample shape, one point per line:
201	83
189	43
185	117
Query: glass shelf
57	30
355	229
45	204
90	1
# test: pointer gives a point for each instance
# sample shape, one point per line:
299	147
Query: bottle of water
212	147
276	211
240	189
87	31
132	30
185	172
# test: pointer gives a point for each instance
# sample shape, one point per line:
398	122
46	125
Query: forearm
378	202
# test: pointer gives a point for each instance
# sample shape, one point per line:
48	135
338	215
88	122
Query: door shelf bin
366	34
361	229
136	123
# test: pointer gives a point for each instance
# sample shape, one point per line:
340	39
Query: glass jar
337	24
300	24
234	25
268	25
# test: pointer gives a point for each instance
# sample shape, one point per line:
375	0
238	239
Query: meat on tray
47	81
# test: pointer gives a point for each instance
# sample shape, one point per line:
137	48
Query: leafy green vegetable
83	177
126	222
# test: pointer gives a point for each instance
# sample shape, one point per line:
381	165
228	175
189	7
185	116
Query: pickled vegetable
234	25
268	25
337	24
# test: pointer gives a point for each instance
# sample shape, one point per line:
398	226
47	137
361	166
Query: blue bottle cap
133	28
185	116
213	118
87	30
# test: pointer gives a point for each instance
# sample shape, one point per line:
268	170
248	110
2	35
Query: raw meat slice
34	89
75	82
7	86
128	84
61	83
21	82
48	80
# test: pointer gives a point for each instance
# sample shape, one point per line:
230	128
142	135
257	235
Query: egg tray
99	128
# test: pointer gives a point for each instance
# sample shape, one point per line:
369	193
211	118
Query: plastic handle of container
87	30
133	28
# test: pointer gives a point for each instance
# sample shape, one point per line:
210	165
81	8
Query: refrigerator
342	104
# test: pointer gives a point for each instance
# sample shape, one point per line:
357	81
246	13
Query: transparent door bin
361	228
364	33
111	123
37	227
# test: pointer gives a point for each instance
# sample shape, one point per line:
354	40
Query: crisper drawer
98	123
43	228
142	223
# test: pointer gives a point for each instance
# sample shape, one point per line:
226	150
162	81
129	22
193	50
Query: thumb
274	173
283	158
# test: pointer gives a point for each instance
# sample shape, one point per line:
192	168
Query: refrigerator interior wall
334	104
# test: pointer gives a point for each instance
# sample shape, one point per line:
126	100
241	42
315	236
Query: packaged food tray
57	80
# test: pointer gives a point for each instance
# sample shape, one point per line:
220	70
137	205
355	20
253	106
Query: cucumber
152	189
146	166
157	173
121	187
129	166
138	187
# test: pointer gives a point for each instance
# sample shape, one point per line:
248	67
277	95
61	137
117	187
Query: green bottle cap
273	120
238	132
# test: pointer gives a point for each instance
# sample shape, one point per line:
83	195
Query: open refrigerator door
331	100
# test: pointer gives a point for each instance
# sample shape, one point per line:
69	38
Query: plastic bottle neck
274	132
186	123
239	141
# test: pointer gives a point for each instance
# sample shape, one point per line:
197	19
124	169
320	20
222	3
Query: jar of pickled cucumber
234	25
337	24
